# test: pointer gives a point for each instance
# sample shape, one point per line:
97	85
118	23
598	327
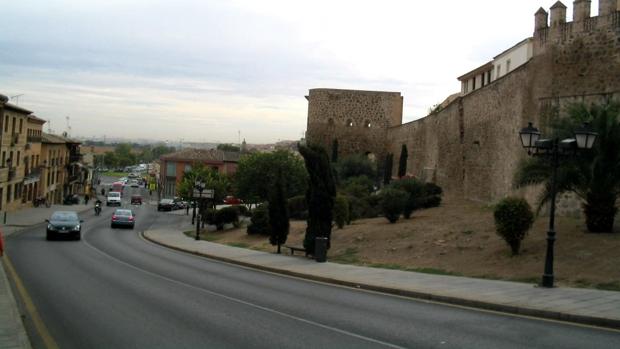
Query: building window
3	159
21	125
13	126
188	167
507	66
6	123
8	193
18	156
499	71
171	169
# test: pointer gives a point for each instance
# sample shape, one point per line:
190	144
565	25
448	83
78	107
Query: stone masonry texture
471	147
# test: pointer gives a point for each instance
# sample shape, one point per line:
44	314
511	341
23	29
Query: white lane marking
236	300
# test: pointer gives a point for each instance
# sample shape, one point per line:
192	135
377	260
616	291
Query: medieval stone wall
471	147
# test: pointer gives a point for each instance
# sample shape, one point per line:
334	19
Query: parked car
64	224
113	199
179	204
134	183
165	205
231	200
71	199
123	217
136	200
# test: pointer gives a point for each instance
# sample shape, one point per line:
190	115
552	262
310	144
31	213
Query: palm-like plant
594	175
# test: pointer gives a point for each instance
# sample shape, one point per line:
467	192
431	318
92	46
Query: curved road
113	289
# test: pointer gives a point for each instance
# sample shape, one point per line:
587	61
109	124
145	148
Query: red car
231	200
136	200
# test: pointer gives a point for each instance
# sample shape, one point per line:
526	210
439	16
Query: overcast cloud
203	70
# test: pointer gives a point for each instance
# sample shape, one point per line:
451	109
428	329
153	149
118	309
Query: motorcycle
41	201
97	209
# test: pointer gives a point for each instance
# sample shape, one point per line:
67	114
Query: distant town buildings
173	166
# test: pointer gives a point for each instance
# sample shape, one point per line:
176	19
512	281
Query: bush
260	221
416	194
360	186
298	207
341	211
432	195
354	166
371	206
513	218
242	209
392	203
226	215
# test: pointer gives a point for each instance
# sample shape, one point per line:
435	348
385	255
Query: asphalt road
112	289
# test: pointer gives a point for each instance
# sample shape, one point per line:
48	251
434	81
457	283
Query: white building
501	65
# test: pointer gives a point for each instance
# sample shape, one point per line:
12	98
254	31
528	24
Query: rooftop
192	154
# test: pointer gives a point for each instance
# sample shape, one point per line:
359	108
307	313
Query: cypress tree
387	174
402	163
278	213
320	195
335	150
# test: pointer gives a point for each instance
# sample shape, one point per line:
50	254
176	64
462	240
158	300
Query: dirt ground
460	239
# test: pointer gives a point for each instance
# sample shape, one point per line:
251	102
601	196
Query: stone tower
358	119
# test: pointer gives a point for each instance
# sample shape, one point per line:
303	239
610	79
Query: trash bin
320	249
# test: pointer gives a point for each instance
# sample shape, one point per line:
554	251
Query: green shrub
416	194
259	221
513	218
341	211
392	203
432	195
242	209
360	186
298	207
226	215
371	206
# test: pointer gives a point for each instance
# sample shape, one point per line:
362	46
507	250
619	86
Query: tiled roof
50	138
191	154
36	119
53	139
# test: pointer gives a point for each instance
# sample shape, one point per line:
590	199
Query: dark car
165	205
64	224
71	199
136	200
124	218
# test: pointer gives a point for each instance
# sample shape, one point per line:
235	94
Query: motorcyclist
97	206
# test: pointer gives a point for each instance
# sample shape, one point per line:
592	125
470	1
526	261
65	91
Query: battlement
555	29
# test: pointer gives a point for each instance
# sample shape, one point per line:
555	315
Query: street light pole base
547	281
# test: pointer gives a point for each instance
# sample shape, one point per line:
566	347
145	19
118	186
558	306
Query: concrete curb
539	313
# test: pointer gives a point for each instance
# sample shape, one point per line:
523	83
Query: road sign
206	194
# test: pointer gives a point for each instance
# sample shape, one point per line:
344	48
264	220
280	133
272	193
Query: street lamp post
200	186
553	148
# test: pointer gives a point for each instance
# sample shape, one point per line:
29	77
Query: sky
221	71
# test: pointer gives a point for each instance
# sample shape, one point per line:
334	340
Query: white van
113	199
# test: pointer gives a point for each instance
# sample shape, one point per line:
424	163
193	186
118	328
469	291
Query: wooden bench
296	248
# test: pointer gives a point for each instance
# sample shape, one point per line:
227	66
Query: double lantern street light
199	186
553	148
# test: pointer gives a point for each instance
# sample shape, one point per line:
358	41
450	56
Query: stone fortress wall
471	147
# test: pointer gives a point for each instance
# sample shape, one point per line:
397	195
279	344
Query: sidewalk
12	331
585	306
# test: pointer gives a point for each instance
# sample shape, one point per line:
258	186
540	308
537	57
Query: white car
113	199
